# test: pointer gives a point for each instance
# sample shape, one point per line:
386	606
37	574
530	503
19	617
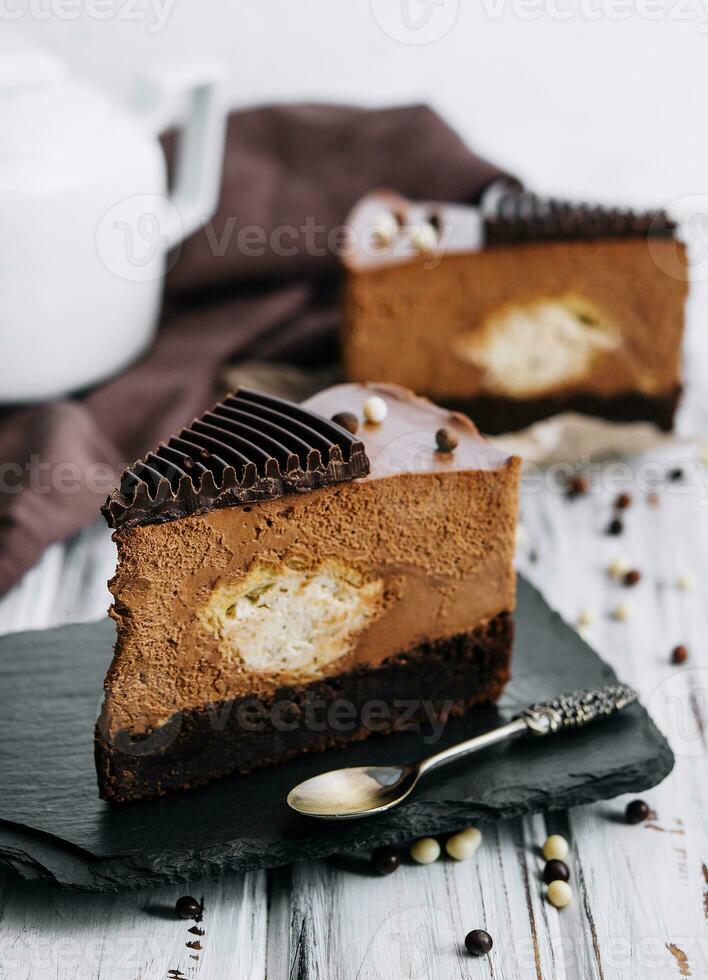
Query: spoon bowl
354	792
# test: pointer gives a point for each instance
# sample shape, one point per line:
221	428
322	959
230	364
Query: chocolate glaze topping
249	447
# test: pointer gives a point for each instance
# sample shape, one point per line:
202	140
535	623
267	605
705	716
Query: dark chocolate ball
445	440
478	942
385	860
347	420
187	907
679	654
637	811
556	871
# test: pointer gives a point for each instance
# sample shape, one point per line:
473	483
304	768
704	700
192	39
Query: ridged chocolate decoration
522	216
249	447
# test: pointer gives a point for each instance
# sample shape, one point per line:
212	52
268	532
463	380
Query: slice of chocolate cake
519	309
285	585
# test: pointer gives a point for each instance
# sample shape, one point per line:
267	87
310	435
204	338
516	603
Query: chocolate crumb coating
250	447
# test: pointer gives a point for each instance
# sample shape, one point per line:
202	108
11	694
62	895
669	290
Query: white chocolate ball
464	844
472	832
375	409
618	568
425	851
423	237
621	612
685	582
385	227
555	848
559	894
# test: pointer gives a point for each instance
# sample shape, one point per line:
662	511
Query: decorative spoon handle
544	718
576	709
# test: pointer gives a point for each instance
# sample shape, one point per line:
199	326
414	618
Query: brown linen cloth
291	174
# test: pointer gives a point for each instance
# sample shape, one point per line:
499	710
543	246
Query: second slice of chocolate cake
285	586
518	309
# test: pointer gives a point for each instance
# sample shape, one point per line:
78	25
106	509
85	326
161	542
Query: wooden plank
135	936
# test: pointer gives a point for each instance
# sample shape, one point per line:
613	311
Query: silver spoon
362	791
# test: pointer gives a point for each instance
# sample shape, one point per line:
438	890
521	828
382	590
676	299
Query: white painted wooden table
641	893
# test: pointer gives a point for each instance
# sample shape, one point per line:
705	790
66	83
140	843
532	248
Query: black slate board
53	827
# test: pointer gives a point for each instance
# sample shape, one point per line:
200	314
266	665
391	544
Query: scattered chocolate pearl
556	871
586	618
464	844
375	410
423	237
385	228
187	907
615	526
425	851
675	475
703	454
188	463
559	894
623	501
385	860
684	582
622	611
446	440
618	568
679	654
478	942
653	499
347	420
632	577
577	486
636	812
555	848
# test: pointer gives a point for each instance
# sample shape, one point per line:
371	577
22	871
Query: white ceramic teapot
86	221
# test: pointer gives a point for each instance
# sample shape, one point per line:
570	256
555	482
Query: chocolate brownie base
495	415
445	677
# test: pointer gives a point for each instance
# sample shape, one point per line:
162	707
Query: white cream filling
532	349
292	619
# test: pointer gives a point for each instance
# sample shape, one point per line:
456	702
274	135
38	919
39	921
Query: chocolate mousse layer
520	309
397	584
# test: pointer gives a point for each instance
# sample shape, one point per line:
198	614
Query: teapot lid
24	62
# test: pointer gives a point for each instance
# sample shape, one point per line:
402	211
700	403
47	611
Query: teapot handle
200	148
